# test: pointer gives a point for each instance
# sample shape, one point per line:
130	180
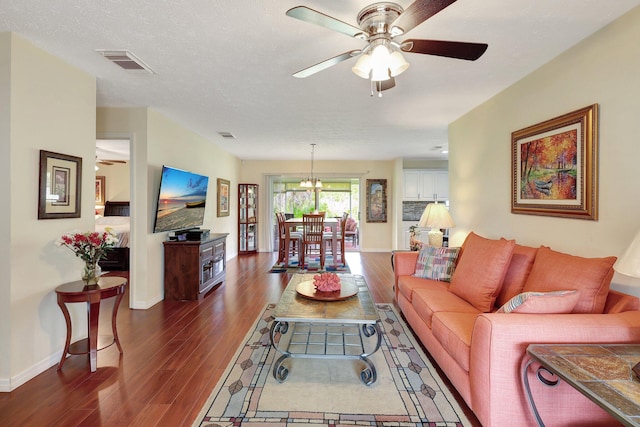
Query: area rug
408	391
312	265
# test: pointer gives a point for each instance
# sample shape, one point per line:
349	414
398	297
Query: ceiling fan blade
326	64
313	16
386	84
458	50
418	12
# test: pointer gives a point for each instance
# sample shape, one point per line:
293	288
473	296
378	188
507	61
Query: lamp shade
397	64
380	63
437	216
629	263
363	66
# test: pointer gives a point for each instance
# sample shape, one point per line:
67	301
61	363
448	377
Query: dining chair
351	231
328	237
312	237
294	238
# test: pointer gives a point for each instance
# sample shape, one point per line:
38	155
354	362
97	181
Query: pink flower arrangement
91	246
326	282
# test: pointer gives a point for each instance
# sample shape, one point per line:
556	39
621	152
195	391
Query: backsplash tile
412	211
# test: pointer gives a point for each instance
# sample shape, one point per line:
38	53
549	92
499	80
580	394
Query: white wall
602	69
375	237
51	106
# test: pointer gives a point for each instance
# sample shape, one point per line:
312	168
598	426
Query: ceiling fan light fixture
363	66
397	64
380	61
380	74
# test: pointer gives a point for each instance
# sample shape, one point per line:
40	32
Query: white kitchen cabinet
427	185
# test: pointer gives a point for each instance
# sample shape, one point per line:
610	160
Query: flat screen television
181	200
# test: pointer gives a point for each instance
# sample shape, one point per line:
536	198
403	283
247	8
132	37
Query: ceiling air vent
126	60
226	135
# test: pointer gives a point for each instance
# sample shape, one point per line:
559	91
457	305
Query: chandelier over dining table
311	181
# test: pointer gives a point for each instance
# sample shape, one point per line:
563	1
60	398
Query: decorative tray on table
308	290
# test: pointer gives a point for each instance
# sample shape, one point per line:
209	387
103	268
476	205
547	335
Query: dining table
292	224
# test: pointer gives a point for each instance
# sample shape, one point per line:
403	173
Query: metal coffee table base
326	340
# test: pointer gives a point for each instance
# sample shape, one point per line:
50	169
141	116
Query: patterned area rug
312	265
408	391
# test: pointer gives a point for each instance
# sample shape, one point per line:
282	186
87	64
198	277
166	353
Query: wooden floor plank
174	354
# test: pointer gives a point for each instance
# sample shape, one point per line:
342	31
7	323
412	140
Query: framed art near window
60	185
376	200
100	190
554	166
223	197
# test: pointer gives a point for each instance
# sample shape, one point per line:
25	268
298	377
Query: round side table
78	291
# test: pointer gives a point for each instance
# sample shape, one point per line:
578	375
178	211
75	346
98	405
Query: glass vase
91	273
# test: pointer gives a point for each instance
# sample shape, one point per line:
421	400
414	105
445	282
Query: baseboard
10	384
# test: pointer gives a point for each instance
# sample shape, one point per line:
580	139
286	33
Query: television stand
193	268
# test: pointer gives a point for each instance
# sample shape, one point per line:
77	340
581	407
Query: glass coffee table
317	326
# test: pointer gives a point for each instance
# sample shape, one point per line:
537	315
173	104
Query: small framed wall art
376	200
60	184
100	190
554	166
223	197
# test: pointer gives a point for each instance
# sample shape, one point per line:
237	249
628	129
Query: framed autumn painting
555	166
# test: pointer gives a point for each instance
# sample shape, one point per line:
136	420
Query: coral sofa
481	347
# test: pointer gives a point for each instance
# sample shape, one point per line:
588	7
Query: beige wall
374	237
158	141
603	69
5	214
43	114
50	105
117	180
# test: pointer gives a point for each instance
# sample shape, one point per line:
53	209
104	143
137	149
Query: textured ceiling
225	66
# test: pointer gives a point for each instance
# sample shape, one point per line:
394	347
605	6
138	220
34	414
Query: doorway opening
337	196
112	204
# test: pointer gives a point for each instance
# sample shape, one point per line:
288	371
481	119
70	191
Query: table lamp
435	217
629	263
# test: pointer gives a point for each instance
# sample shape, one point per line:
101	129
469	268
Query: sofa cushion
517	273
542	302
481	269
453	331
433	299
436	263
406	285
554	271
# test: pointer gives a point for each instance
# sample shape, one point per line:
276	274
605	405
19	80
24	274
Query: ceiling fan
379	24
109	162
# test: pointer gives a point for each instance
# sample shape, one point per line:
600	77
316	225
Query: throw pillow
558	302
516	276
553	271
481	269
436	263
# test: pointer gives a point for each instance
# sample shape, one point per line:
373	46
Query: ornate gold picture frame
555	166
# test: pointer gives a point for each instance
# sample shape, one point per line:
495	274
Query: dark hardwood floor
174	354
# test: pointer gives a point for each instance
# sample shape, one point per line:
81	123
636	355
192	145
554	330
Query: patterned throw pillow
436	263
542	302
